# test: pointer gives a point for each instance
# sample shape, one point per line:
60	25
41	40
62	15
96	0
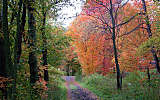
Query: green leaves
146	46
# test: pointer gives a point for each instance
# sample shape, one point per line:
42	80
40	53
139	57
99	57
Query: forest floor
76	92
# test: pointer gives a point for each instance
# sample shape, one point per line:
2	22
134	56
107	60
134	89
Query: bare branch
131	18
101	3
137	27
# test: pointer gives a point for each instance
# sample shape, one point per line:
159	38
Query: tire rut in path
79	93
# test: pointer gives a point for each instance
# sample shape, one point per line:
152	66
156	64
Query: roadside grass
135	86
57	92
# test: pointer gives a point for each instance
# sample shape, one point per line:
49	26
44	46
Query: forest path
76	92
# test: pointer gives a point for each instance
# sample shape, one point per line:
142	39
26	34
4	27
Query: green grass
73	87
133	89
57	93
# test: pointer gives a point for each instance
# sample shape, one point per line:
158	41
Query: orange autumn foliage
128	44
90	45
93	45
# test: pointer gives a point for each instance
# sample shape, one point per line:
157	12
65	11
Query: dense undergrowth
135	86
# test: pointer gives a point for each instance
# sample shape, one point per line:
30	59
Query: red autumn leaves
92	41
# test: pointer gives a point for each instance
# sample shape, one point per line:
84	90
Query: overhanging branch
131	18
137	27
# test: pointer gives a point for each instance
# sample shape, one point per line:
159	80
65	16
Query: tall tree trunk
155	57
16	48
46	77
7	54
119	84
18	35
32	43
7	67
20	30
2	55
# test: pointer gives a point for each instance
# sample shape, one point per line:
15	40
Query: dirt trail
76	92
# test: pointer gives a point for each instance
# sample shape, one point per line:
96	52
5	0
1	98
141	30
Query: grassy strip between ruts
73	87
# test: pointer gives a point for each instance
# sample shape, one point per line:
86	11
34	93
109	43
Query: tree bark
20	30
6	56
148	74
155	57
18	35
16	48
46	77
2	56
2	51
32	43
119	84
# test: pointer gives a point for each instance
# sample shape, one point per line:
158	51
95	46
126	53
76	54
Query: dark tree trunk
16	48
148	74
20	30
68	70
2	51
46	77
155	57
18	35
23	19
119	84
7	67
33	67
2	55
32	43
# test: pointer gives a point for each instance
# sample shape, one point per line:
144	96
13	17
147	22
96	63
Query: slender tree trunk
16	56
119	84
46	77
20	30
148	74
19	34
32	43
67	69
2	51
155	57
